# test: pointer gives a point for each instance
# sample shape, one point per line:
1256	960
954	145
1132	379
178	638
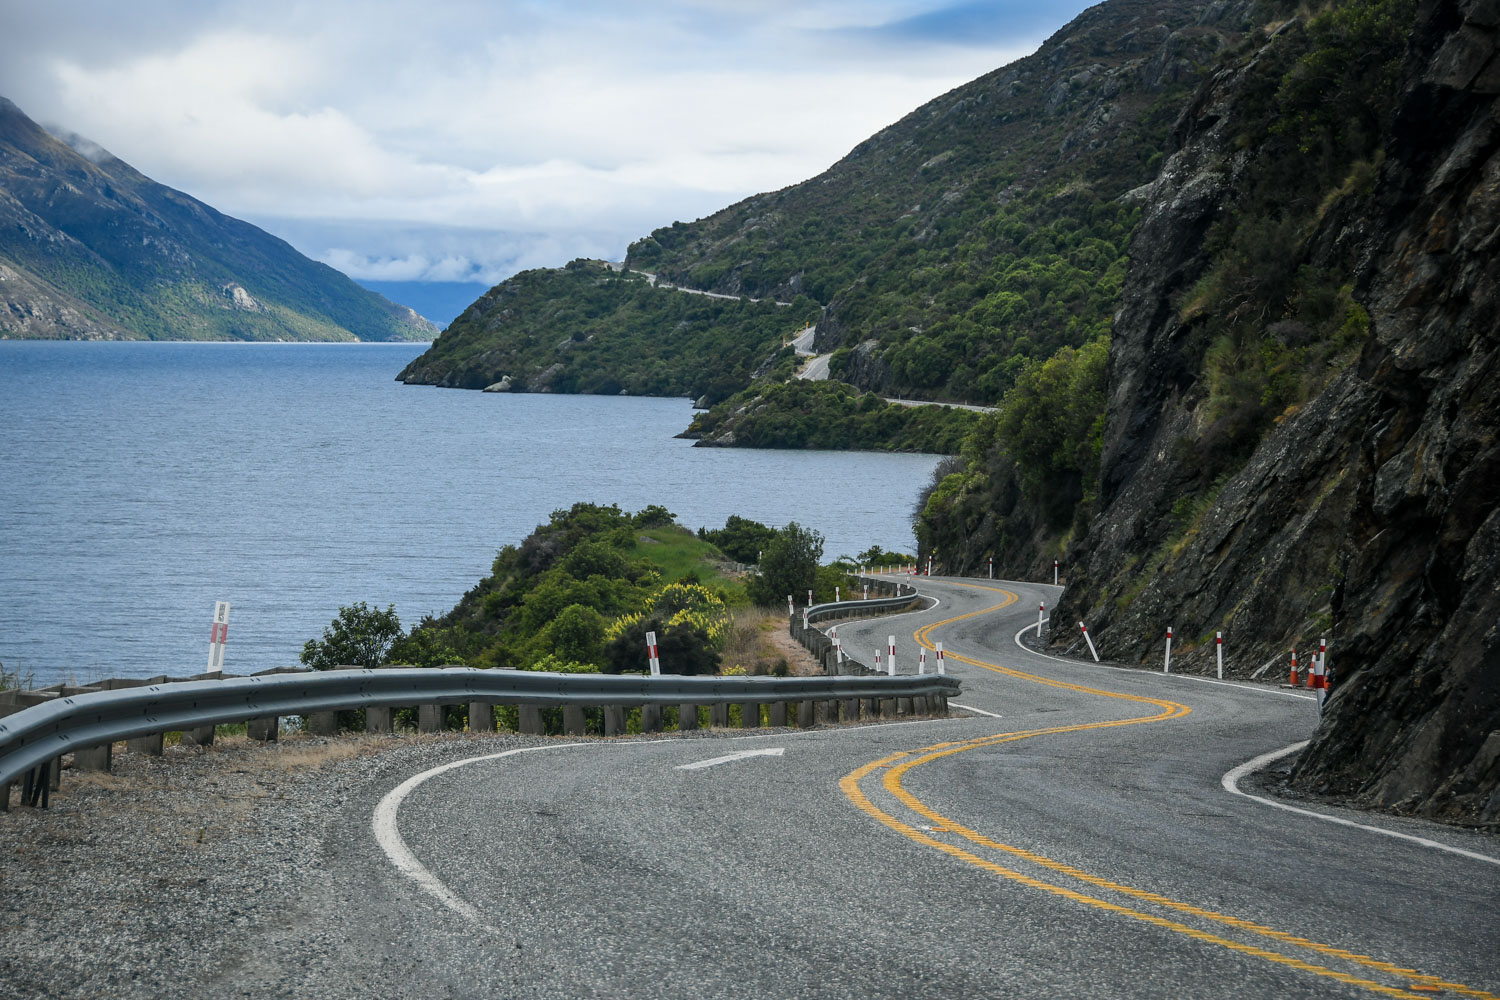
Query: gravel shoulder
156	878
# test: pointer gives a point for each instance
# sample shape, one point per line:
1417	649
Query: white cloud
487	123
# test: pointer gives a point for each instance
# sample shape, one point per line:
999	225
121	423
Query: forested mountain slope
92	249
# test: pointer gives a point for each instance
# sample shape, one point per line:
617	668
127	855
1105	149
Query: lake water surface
140	482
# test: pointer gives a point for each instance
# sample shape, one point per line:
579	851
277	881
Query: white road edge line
383	825
976	711
728	757
1231	783
1257	689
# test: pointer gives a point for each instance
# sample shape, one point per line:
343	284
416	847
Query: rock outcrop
1370	515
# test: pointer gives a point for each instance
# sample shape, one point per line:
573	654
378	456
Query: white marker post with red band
218	637
1090	640
835	595
651	654
890	663
1041	616
1166	667
922	660
941	668
1219	651
791	609
992	567
1054	572
867	592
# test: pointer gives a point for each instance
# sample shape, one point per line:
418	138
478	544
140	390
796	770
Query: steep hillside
92	249
986	228
982	233
1302	408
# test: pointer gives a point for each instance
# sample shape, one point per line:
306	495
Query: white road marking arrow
768	752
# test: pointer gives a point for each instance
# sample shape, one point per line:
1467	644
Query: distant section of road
936	402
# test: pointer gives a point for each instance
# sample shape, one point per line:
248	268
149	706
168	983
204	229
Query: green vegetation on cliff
588	328
1263	325
800	414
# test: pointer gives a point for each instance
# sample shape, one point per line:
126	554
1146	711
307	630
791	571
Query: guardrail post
481	717
530	720
321	723
575	723
905	706
614	720
264	730
98	758
687	718
849	709
778	714
888	708
828	713
650	718
150	745
750	715
430	718
804	715
199	736
378	719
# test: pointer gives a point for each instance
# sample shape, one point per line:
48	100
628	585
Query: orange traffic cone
1295	678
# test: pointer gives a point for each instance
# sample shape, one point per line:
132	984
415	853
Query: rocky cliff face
1368	514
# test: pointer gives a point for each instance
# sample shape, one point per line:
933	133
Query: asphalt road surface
1076	842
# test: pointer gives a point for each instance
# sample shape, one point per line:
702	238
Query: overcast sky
464	140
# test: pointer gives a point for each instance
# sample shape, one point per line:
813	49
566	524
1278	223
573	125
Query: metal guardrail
36	735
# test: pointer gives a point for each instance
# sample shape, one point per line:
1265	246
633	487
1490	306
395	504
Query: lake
141	482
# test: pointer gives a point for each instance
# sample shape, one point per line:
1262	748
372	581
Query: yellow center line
899	764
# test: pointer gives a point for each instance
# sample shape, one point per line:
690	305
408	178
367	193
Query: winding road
1074	840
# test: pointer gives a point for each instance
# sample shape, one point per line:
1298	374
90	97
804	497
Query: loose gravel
145	881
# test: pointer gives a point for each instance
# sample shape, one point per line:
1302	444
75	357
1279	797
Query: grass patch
679	555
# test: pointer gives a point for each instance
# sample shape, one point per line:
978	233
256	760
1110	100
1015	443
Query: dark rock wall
1370	514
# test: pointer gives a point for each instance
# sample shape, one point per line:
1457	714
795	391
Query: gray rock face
1372	514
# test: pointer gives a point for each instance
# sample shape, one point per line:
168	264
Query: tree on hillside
359	634
741	539
788	566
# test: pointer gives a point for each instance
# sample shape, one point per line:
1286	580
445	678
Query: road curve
1080	844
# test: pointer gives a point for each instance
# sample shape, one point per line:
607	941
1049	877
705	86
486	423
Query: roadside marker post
877	661
867	592
809	598
922	660
835	595
992	567
1090	640
941	668
651	654
1041	616
890	663
1219	651
790	608
1166	667
1054	572
218	637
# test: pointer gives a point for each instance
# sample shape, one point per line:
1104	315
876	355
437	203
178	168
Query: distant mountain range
91	249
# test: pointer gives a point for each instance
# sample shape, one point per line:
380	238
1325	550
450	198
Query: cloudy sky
462	140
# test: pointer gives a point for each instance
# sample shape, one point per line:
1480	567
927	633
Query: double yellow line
898	765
